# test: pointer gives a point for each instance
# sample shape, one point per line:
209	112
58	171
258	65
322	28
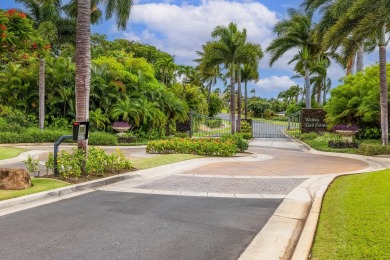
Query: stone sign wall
313	120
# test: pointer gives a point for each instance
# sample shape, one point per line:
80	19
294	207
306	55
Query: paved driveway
119	225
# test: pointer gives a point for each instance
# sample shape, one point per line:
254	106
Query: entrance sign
313	120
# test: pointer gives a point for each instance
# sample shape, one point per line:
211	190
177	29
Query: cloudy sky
181	27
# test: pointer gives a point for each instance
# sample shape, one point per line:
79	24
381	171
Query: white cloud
182	29
275	83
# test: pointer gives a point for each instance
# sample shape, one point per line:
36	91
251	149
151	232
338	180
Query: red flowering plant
18	39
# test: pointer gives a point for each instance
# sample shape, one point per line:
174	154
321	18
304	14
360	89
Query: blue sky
181	27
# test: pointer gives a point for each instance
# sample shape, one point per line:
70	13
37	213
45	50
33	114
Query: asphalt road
118	225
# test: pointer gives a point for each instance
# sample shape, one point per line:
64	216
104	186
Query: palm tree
358	23
292	33
166	67
253	91
98	118
121	9
227	50
253	55
248	73
127	110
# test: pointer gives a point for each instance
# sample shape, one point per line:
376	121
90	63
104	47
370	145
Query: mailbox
80	130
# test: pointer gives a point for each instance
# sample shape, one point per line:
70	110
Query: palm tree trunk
232	100
383	87
239	100
246	99
324	92
319	94
359	58
209	93
307	85
83	63
41	93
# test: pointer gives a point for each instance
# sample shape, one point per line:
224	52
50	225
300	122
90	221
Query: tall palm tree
253	54
121	9
253	91
166	67
248	73
227	50
365	19
296	32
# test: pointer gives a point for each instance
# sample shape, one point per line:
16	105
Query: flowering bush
18	36
238	139
345	128
98	162
204	146
121	124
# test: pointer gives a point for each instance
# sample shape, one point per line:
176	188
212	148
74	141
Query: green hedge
373	149
204	146
35	135
102	138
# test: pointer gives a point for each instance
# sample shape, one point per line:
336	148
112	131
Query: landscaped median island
73	168
355	218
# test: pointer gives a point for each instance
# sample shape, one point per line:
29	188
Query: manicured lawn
9	152
38	185
159	160
355	218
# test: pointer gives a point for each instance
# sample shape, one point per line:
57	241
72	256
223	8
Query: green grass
9	152
159	160
38	185
355	218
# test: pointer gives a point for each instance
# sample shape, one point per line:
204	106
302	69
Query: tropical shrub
268	113
238	139
98	163
204	146
102	138
246	130
355	101
369	133
370	149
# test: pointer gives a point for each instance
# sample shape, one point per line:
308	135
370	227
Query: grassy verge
355	218
38	185
9	152
159	160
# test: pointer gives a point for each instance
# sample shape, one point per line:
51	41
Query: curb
61	192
